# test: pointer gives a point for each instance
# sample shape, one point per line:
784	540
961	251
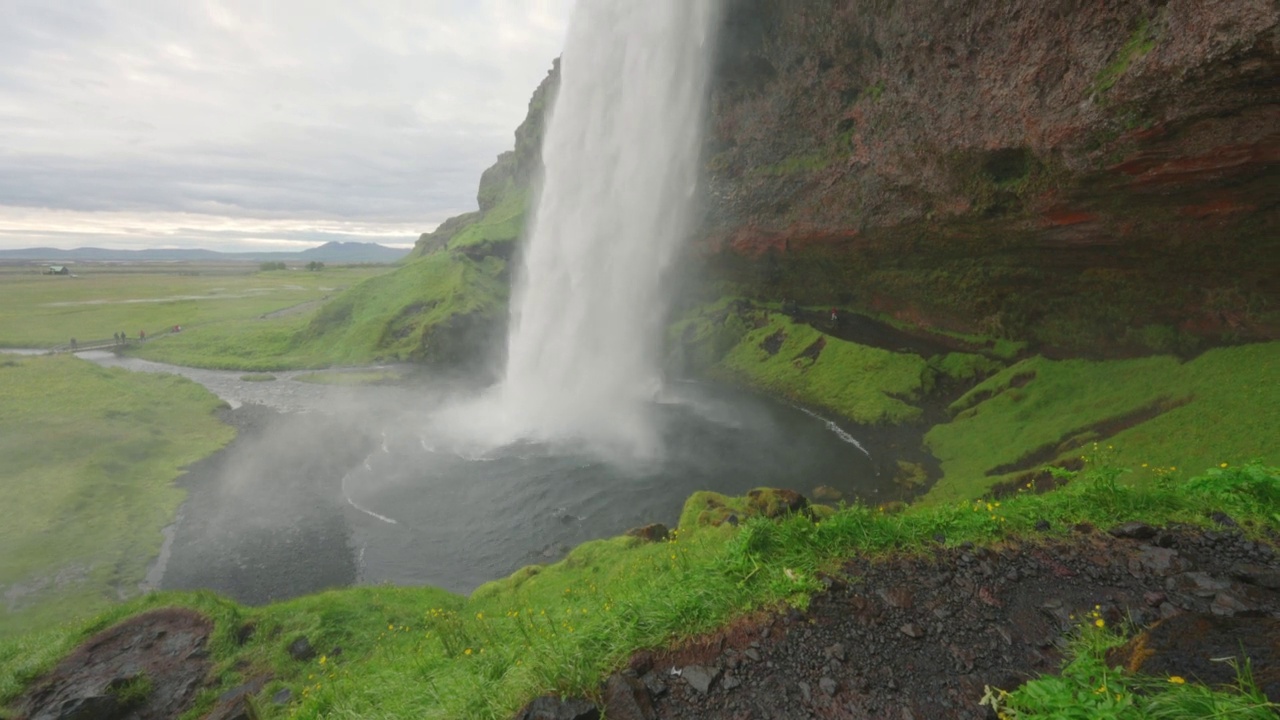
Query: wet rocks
165	646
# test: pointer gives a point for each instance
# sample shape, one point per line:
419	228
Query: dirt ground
921	637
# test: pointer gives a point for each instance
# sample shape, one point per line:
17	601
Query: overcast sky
257	124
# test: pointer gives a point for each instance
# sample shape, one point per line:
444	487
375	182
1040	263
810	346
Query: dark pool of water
427	514
329	486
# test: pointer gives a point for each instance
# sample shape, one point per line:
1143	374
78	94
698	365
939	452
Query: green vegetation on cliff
89	458
1161	415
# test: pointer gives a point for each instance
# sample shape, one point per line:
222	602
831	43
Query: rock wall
1098	176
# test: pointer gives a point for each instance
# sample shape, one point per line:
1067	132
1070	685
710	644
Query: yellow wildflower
1177	680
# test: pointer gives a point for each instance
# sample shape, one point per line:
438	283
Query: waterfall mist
621	156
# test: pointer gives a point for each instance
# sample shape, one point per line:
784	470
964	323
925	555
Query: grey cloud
376	112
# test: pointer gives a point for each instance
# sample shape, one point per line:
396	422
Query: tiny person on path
73	343
835	317
142	335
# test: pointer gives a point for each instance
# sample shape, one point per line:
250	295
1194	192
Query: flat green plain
41	311
89	458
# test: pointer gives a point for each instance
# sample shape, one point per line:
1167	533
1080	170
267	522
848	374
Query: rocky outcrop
1095	176
508	182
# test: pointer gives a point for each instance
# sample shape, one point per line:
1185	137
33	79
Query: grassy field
89	456
39	311
423	653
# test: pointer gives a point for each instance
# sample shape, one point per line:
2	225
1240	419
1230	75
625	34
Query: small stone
1227	606
912	630
1154	599
282	697
1224	519
700	678
1133	531
730	682
828	686
626	698
1259	575
806	692
752	654
654	683
836	652
654	532
1042	526
301	649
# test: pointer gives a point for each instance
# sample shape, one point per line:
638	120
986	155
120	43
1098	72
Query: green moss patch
1156	413
868	385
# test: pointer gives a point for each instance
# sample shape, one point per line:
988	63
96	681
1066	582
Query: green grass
45	310
423	653
1138	45
1087	687
502	224
806	162
388	317
393	317
1231	414
89	457
865	384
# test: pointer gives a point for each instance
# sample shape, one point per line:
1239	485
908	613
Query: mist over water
621	157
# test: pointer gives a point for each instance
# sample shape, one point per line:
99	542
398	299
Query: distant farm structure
57	270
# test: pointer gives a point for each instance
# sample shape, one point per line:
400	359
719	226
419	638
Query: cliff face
505	188
1091	175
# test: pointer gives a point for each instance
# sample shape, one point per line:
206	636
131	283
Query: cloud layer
220	121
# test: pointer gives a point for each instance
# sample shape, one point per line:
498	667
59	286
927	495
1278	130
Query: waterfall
621	154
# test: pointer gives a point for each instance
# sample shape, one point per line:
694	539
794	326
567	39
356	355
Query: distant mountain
331	252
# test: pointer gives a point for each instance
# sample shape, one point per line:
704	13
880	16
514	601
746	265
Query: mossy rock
704	509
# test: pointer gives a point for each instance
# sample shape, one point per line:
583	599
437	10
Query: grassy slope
42	311
388	316
868	385
89	457
1224	406
502	224
1232	414
422	653
383	317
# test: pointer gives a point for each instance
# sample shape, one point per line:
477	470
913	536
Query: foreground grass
89	456
44	310
1087	687
423	653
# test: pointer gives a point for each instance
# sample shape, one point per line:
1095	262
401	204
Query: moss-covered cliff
1100	177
